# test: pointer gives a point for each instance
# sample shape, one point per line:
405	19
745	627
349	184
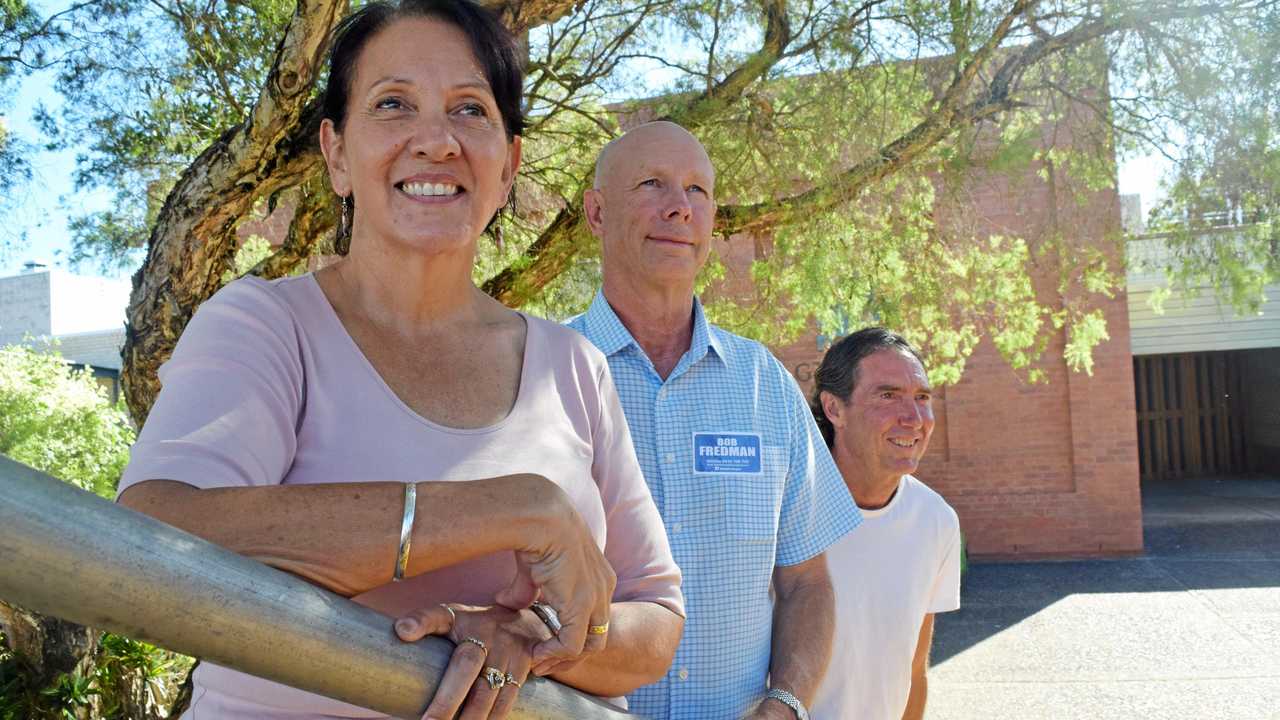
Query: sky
52	198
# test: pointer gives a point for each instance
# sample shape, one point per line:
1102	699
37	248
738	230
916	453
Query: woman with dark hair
386	430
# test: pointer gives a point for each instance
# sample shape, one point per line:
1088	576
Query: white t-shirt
901	564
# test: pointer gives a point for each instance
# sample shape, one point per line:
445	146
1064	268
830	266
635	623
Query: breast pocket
753	501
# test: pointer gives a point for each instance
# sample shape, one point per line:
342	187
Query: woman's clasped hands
492	657
498	647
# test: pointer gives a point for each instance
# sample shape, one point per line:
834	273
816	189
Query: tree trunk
47	648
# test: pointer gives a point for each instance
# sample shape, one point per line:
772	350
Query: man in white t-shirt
873	403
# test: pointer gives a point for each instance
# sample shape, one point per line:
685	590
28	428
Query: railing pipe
68	553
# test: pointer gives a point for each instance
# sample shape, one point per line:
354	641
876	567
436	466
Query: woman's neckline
331	315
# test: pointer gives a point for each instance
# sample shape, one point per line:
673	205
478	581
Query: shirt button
669	458
683	674
675	528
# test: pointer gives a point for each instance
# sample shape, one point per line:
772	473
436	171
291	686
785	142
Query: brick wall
1040	470
1043	470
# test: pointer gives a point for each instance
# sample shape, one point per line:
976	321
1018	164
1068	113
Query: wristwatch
790	701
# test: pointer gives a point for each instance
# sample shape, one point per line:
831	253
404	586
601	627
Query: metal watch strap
790	701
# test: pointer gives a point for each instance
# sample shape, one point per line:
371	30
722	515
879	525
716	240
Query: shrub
59	420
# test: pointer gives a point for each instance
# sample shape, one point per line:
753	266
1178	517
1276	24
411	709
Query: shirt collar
604	328
610	335
704	336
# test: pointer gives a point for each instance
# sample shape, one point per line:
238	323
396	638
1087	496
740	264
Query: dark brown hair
838	373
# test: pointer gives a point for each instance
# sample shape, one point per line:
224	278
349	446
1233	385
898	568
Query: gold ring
477	642
511	680
598	629
495	677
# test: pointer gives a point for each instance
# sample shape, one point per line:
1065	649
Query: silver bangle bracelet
406	530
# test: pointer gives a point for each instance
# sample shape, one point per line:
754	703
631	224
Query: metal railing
68	553
1152	251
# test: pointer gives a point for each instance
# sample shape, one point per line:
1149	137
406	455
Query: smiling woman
385	420
391	102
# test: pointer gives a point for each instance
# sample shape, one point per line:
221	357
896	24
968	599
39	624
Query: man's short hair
838	373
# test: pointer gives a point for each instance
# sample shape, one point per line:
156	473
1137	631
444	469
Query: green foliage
69	693
19	26
25	39
130	680
149	85
1235	263
15	169
1086	332
58	420
253	251
1219	220
135	676
887	263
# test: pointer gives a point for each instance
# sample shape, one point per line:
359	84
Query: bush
129	680
60	421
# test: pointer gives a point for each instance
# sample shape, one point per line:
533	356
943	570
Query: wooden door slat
1191	414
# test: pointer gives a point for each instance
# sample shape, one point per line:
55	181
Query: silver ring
477	642
511	680
548	616
495	677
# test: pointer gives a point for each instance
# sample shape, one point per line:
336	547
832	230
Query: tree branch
313	218
777	35
949	115
860	16
524	15
951	112
555	249
193	241
550	255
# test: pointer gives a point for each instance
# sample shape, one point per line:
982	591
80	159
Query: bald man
748	492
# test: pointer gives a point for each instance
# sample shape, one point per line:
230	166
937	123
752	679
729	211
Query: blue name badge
726	453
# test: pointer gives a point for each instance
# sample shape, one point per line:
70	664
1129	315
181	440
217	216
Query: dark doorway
1207	413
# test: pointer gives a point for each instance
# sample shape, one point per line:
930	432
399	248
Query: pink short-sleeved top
267	387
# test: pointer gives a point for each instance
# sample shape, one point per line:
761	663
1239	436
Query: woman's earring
346	215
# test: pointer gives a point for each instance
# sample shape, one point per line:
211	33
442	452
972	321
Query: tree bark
47	647
193	242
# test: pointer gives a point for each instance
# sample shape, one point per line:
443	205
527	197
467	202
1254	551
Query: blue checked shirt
731	517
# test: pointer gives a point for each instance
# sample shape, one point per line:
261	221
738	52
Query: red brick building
1034	470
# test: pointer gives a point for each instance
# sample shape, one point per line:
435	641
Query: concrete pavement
1191	630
